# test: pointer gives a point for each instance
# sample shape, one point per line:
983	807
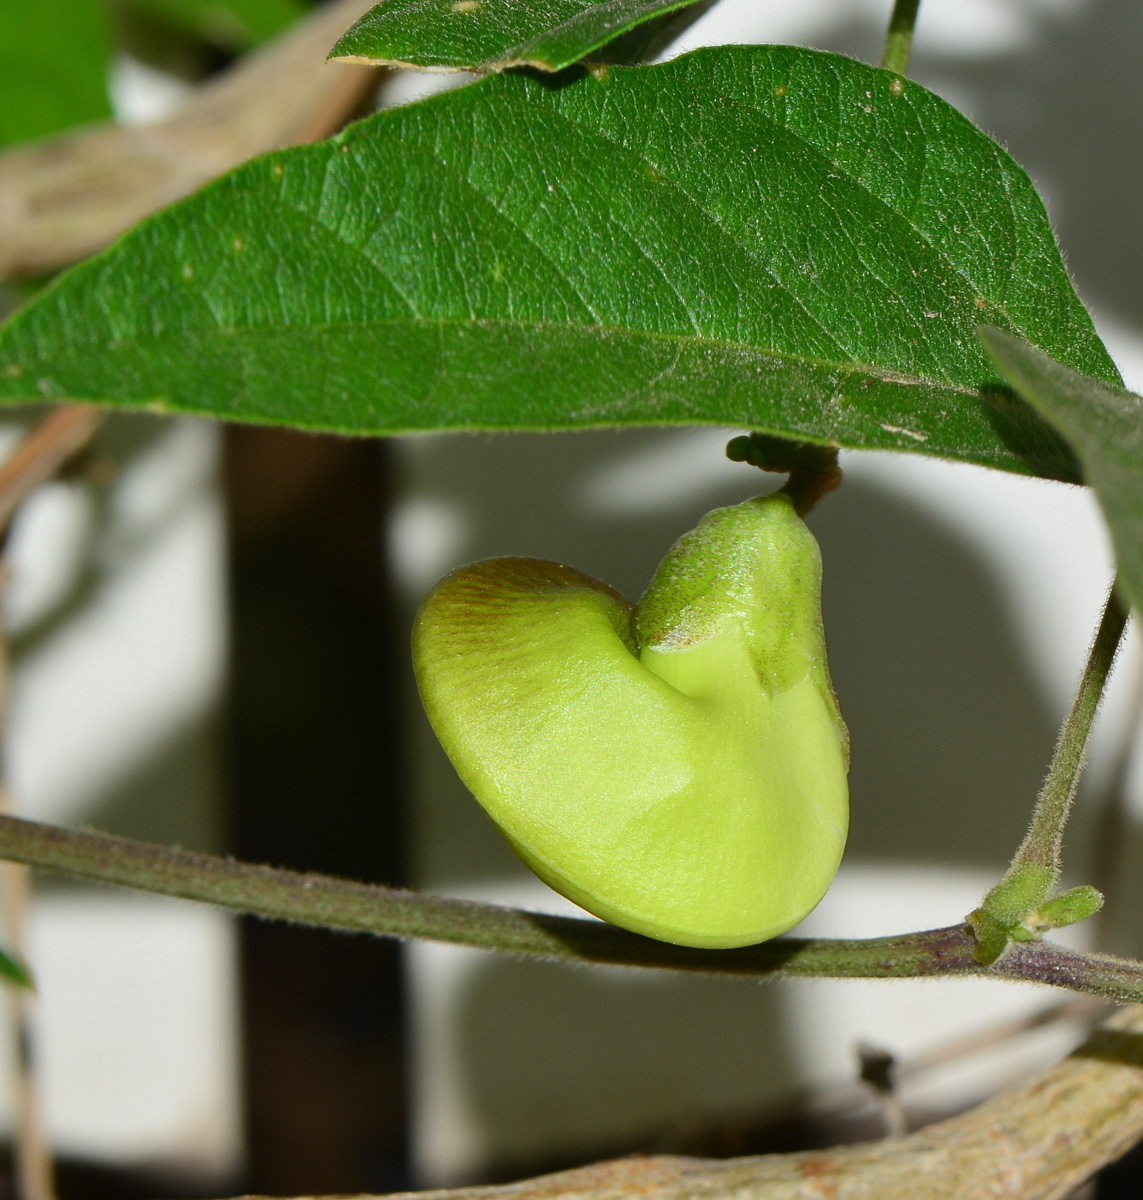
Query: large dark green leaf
766	237
491	35
53	66
1104	424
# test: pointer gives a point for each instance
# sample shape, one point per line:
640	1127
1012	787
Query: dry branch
1038	1141
66	197
61	435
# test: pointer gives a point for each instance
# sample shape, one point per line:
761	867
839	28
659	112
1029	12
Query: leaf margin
527	52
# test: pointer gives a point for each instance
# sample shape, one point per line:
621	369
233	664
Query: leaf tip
994	339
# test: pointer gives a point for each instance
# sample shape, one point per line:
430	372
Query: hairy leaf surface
766	237
1104	424
492	35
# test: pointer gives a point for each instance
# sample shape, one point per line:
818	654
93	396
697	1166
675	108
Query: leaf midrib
745	349
662	175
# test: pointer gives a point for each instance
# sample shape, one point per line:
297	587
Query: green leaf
492	35
14	971
53	66
765	237
233	24
1105	426
1071	907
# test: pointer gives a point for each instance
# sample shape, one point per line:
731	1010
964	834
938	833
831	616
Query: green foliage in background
54	58
56	55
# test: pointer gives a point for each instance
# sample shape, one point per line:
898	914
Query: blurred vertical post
316	784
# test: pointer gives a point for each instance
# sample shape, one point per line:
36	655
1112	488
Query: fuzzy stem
1043	844
365	908
899	39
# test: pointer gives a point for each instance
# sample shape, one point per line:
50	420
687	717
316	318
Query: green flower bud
679	769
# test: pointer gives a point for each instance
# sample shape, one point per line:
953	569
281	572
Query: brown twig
841	1111
58	438
66	197
1037	1141
51	444
878	1072
49	447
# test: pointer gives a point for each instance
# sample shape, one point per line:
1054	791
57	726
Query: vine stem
899	39
366	908
1043	844
57	439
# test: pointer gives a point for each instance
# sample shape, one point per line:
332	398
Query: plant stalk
49	447
899	39
366	908
1043	844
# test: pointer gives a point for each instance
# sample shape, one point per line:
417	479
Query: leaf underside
492	35
767	237
1104	424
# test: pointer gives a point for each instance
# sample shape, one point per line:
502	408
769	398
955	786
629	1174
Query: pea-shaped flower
677	768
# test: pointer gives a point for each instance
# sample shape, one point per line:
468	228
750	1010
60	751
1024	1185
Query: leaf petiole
1022	901
899	39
